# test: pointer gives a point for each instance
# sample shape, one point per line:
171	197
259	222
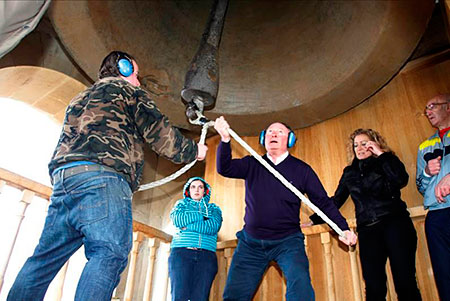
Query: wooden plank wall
396	112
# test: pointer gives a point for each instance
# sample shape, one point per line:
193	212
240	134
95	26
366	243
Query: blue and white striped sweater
197	221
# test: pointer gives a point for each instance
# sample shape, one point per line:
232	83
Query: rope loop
205	123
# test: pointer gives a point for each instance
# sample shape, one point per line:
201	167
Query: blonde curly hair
373	136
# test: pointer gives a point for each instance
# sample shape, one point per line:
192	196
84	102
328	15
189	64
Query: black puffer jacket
374	185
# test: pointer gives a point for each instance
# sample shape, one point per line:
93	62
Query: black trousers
437	229
394	238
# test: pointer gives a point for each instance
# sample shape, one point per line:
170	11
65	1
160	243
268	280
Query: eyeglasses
433	106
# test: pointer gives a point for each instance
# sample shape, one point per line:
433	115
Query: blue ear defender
262	137
125	67
290	141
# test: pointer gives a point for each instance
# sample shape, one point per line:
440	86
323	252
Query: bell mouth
300	62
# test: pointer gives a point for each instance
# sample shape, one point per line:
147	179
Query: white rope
181	170
286	183
262	161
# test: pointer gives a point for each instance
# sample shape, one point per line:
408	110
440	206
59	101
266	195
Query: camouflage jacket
109	124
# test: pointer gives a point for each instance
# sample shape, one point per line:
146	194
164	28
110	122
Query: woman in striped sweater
192	260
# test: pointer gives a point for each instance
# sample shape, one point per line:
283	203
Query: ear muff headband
125	67
290	141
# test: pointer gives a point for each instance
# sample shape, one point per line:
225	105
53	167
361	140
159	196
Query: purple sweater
272	211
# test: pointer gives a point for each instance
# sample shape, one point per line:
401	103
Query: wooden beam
232	243
426	61
415	212
22	183
151	232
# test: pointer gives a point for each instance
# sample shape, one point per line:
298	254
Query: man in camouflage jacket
96	166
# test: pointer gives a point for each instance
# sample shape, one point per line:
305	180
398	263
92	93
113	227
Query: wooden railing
227	249
338	278
335	270
154	239
29	189
141	232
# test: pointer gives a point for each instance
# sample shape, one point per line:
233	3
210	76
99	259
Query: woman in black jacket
385	230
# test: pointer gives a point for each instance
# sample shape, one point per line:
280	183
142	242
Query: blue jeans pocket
93	205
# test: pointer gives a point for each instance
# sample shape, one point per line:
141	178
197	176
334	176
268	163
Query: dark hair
109	65
203	182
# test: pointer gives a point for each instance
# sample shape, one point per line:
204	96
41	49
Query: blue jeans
251	258
91	208
191	273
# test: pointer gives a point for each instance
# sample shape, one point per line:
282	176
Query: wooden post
2	184
167	290
153	245
356	281
221	278
165	276
59	280
228	254
392	295
27	197
325	238
137	239
265	294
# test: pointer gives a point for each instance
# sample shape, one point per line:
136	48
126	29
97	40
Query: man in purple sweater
272	215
